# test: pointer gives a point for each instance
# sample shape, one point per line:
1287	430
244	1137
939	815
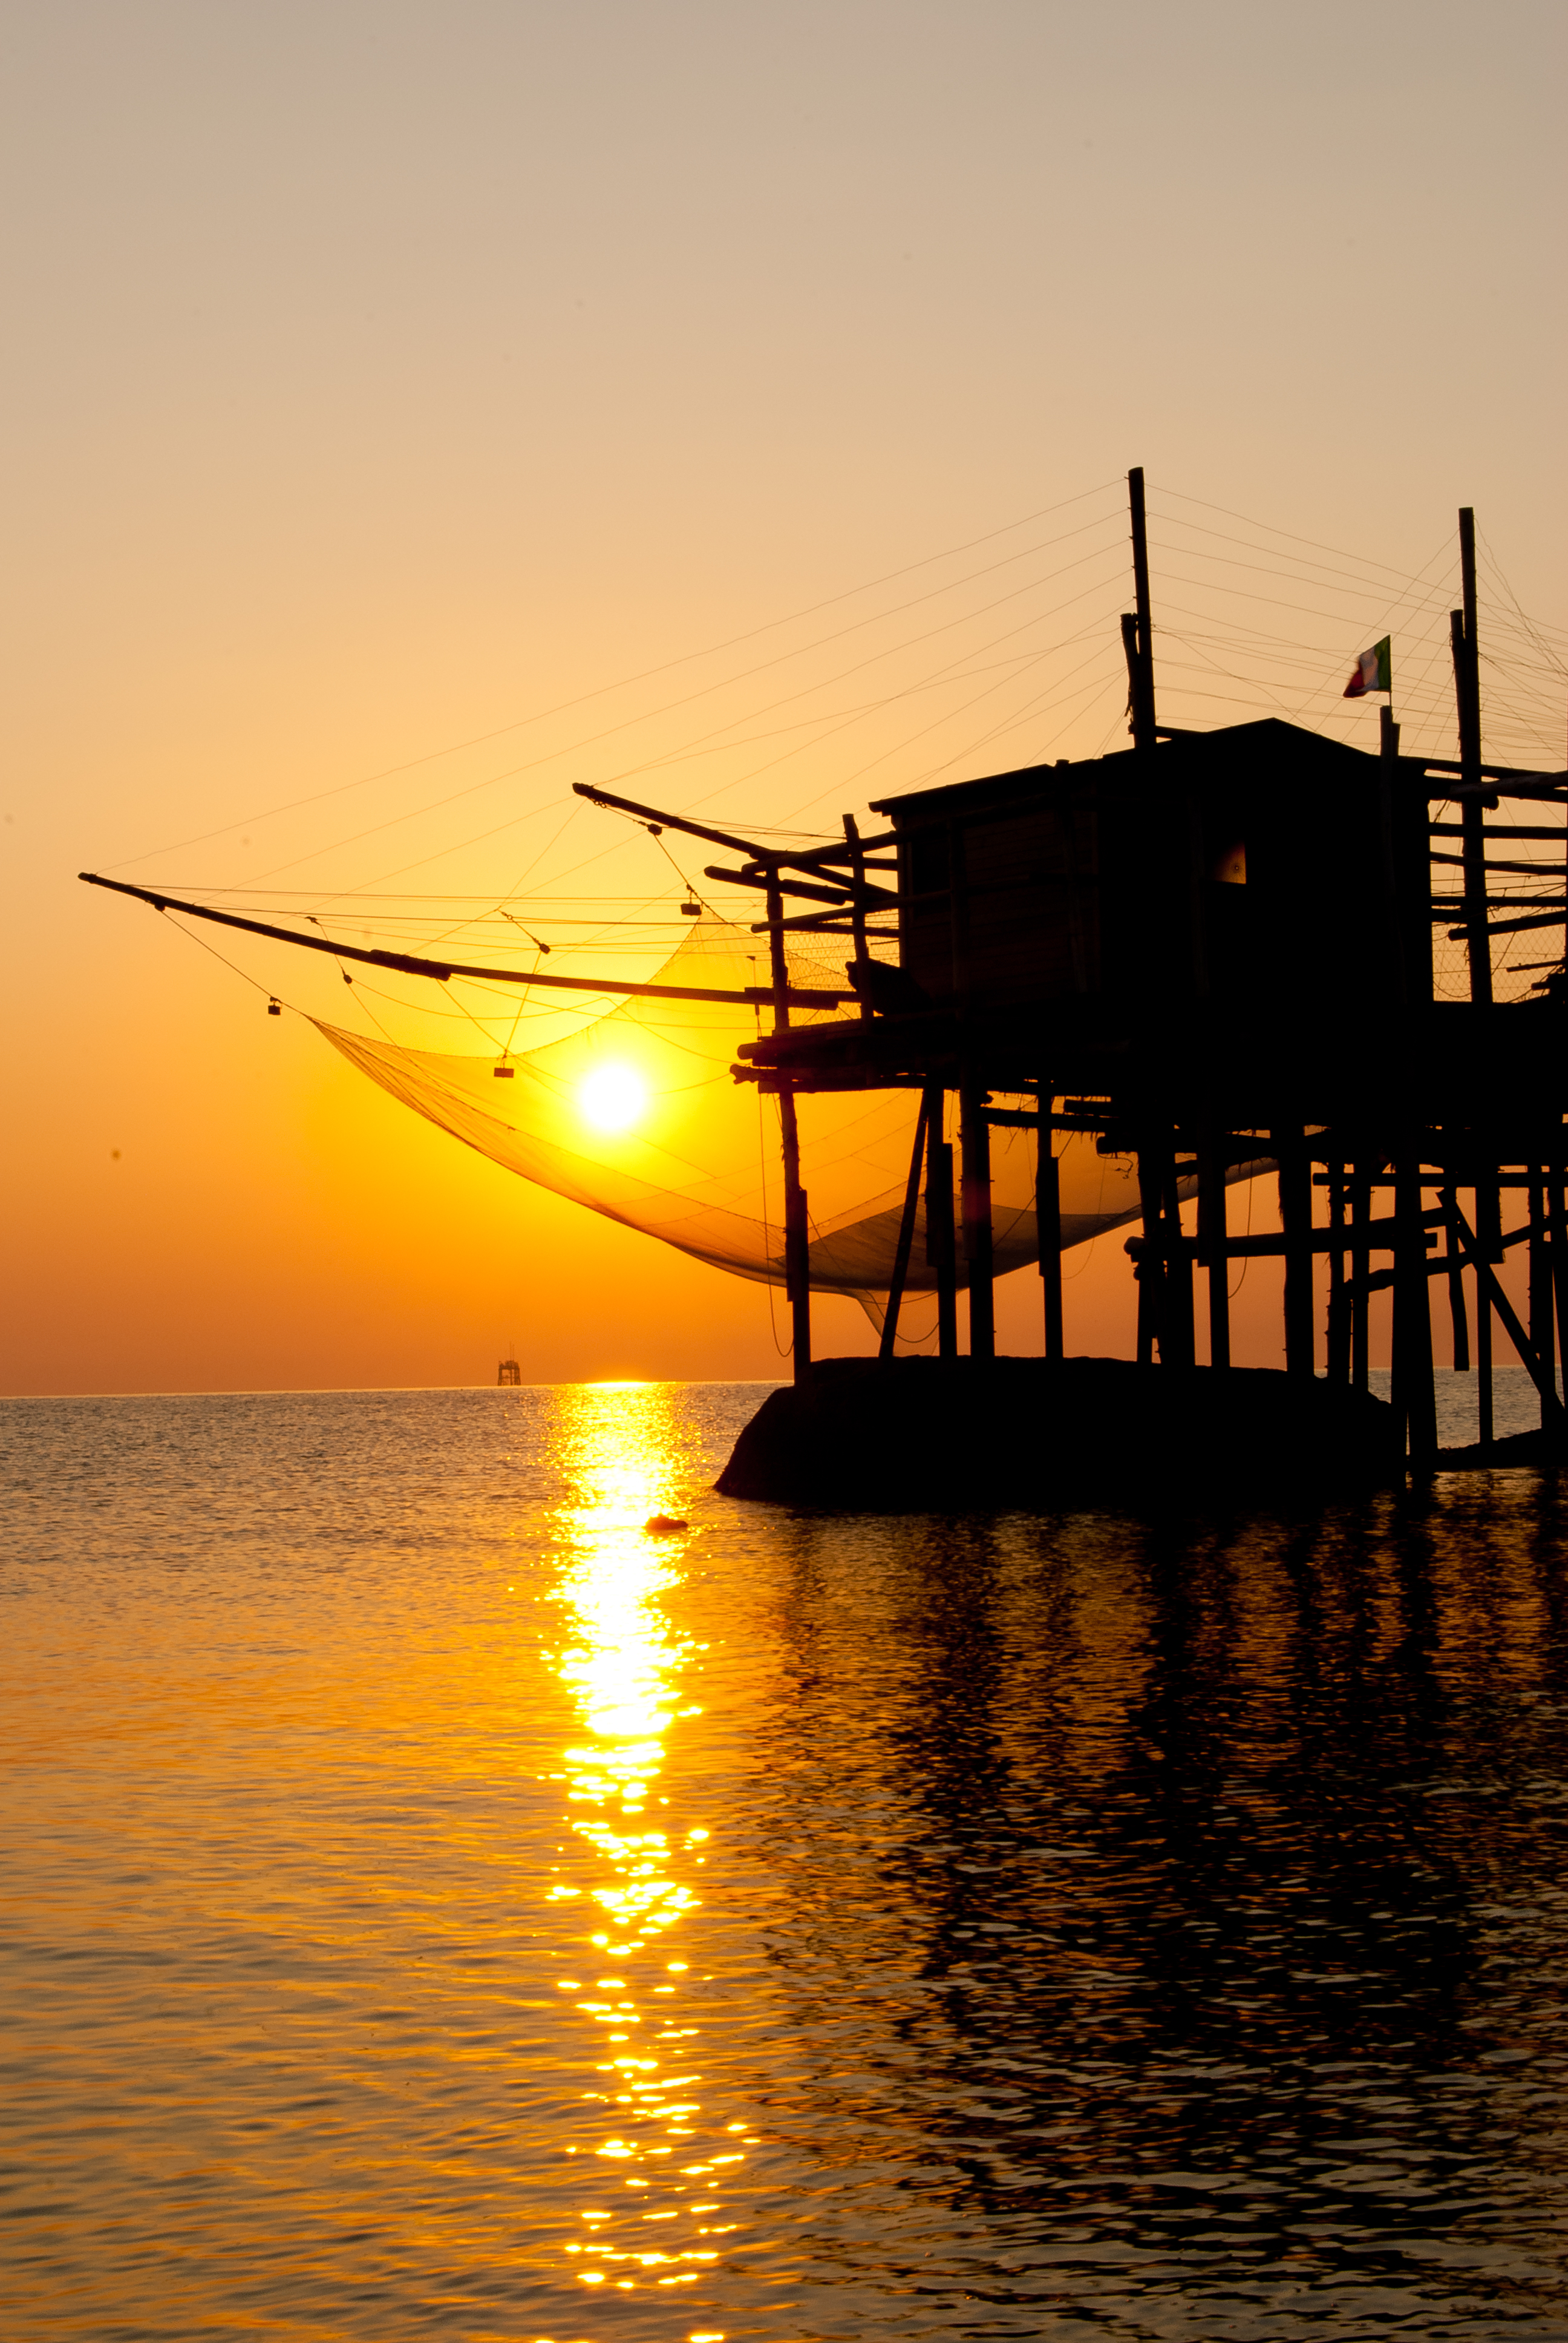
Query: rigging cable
625	683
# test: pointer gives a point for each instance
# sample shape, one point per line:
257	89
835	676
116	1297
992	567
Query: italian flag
1373	672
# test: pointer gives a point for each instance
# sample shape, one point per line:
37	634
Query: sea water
438	1906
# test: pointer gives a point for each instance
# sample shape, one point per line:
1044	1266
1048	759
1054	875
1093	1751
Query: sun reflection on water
622	1660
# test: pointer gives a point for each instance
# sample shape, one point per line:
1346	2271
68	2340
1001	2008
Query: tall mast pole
1467	692
1478	943
1137	628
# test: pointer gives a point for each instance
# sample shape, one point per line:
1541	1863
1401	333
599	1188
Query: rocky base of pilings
974	1435
1541	1450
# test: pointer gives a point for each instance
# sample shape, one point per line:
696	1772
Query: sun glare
612	1098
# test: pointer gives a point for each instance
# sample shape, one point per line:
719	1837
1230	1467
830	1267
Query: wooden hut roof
1269	743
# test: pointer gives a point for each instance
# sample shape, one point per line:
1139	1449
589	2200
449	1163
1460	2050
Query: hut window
1230	868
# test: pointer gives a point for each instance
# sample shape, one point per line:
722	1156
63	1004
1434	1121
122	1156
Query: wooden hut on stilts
1210	949
1207	953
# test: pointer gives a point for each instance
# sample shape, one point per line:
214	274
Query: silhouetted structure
1205	949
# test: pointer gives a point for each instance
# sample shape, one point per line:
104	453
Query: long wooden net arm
411	964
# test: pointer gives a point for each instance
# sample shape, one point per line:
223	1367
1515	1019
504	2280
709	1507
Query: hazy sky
378	376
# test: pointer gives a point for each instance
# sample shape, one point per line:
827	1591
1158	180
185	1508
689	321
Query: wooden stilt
1489	1240
1414	1398
1542	1312
1359	1196
974	1140
1177	1341
1539	1367
1337	1342
1048	1224
1457	1314
797	1238
1560	1271
796	1222
1150	1269
1485	1427
941	1247
906	1232
1211	1231
1296	1219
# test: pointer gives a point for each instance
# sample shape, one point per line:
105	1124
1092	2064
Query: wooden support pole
905	1235
1478	942
1165	1263
1211	1234
940	1246
1135	681
1467	692
1539	1369
1337	1341
1414	1398
1558	1221
1485	1421
797	1237
1542	1312
1047	1225
1296	1219
1360	1199
1178	1346
1141	646
858	909
1456	1309
796	1222
974	1140
1149	1268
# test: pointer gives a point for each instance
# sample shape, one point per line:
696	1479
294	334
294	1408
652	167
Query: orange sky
381	377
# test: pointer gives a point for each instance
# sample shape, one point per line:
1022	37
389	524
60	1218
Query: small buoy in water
663	1526
274	1008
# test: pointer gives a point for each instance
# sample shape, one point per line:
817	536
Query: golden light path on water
1112	1924
621	1661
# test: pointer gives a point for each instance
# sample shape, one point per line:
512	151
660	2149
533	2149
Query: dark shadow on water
1198	1941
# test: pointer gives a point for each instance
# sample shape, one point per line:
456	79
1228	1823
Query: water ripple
436	1905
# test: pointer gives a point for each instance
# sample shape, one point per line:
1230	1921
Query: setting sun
612	1098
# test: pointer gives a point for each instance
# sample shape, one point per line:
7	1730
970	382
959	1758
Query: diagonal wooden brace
1540	1372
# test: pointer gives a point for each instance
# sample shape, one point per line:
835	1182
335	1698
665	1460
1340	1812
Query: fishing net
696	1160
